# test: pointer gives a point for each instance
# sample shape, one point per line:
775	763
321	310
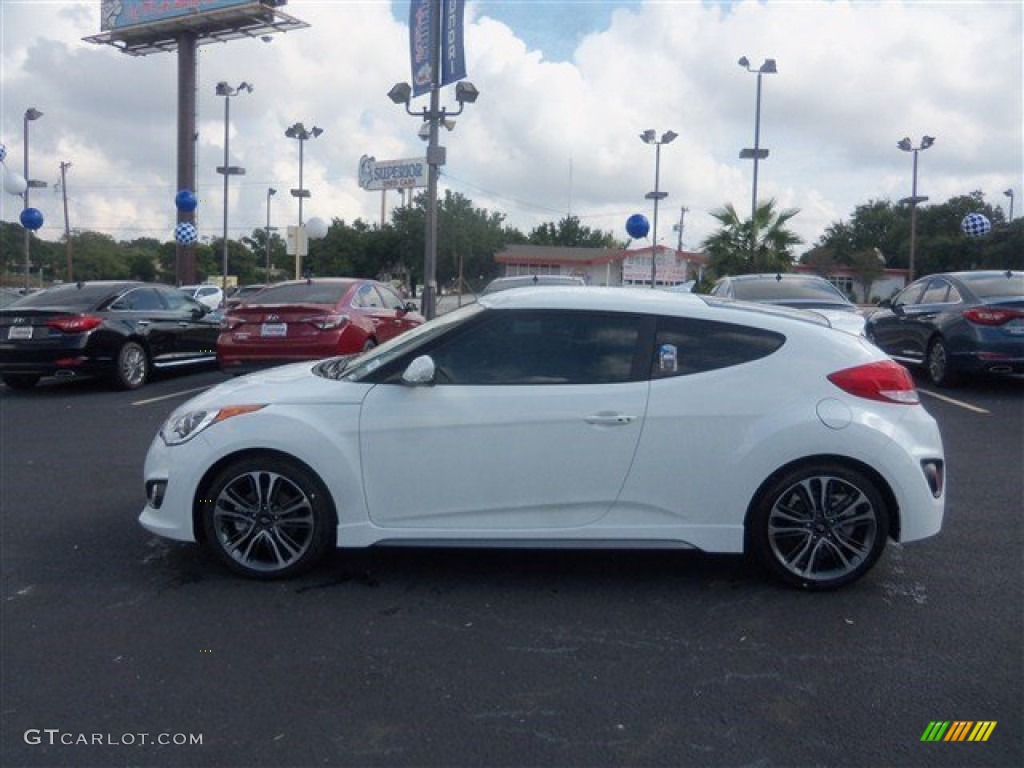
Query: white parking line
951	401
170	396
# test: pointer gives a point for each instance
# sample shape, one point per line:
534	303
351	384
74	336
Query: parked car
955	324
600	417
120	330
210	295
242	294
797	291
311	319
522	281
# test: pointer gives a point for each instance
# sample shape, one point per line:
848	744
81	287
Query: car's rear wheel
21	380
939	372
820	526
132	366
267	517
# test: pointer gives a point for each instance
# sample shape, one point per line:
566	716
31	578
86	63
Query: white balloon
14	183
316	229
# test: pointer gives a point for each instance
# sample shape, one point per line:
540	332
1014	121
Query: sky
566	87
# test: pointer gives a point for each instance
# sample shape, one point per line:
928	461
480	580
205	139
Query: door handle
609	419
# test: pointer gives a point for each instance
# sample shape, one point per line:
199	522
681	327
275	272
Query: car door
891	326
531	426
141	312
195	327
401	320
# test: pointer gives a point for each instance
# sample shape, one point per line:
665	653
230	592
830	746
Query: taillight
991	315
884	380
75	323
326	322
229	323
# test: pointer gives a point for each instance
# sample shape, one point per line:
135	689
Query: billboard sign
123	14
392	174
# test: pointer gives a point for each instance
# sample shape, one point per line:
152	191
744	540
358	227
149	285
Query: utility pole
65	164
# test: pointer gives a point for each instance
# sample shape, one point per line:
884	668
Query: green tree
568	232
744	246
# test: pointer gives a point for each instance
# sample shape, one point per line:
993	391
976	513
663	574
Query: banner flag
422	44
453	54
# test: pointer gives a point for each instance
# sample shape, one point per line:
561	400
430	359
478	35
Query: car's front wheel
267	517
820	526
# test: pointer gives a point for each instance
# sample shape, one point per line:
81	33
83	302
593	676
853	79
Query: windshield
999	285
787	290
361	366
74	296
312	292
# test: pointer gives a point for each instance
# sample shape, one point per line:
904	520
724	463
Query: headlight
182	427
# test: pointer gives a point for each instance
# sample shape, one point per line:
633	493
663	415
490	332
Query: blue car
955	324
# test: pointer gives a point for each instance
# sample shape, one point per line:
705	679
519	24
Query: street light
650	136
756	154
1009	194
433	116
225	90
30	114
302	135
270	193
906	145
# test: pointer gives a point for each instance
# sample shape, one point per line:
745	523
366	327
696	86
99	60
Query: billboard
122	14
392	174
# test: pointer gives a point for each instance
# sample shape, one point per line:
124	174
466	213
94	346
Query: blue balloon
186	200
637	226
31	218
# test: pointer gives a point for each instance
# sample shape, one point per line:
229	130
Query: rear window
993	286
774	290
302	293
73	296
685	346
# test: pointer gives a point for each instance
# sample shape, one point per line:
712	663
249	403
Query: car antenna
778	277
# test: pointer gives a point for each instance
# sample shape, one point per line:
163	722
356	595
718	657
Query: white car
597	417
210	295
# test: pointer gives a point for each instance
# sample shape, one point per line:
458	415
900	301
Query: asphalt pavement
119	648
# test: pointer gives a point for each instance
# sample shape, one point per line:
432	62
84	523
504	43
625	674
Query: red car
309	320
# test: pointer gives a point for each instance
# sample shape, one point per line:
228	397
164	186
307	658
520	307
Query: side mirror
420	372
410	306
885	303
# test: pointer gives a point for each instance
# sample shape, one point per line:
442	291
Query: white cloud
545	135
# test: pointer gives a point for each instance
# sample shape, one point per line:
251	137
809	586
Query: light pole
433	117
300	133
1009	194
30	114
756	154
270	193
650	136
906	145
225	90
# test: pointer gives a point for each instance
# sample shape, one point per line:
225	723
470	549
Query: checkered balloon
186	233
3	153
975	225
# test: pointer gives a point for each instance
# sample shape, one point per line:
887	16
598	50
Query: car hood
286	384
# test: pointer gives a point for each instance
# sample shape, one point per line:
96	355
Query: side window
390	298
910	295
178	301
139	300
542	347
365	297
685	346
937	292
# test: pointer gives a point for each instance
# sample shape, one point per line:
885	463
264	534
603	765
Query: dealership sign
392	174
131	13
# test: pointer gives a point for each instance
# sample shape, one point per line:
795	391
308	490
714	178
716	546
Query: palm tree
763	244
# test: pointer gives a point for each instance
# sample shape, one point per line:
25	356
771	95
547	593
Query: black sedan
955	324
120	330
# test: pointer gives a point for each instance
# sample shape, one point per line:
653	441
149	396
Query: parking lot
123	649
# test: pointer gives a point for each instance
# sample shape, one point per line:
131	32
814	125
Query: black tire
21	380
820	526
131	369
937	365
267	517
